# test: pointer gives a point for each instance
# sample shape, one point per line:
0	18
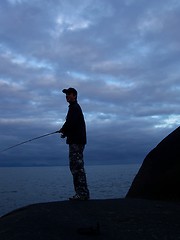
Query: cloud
123	58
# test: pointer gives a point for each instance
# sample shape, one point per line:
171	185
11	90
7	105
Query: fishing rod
45	135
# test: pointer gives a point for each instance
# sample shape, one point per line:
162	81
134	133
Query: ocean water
28	185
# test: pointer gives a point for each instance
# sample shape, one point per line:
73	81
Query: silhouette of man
74	129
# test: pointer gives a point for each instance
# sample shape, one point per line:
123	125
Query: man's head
71	94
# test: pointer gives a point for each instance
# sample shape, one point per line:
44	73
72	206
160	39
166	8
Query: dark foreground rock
159	175
122	219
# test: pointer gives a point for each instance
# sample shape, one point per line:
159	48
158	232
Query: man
74	129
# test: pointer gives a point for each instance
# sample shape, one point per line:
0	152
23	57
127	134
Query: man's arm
71	121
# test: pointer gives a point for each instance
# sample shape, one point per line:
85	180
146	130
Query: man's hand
63	136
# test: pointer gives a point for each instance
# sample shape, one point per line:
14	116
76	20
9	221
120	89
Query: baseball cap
70	90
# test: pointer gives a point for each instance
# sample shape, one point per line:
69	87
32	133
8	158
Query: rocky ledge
94	219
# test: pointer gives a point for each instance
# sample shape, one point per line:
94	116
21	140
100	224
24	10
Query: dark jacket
74	128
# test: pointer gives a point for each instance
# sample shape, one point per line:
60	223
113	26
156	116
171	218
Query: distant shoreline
66	165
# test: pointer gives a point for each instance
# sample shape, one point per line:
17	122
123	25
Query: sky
123	58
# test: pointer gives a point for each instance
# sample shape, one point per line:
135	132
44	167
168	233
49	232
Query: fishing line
45	135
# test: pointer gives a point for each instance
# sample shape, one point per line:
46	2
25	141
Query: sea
22	186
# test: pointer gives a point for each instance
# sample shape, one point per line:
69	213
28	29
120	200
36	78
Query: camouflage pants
76	164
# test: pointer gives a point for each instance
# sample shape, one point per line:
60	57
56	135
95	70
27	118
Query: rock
124	219
159	175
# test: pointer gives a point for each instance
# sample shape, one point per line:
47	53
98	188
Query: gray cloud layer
123	58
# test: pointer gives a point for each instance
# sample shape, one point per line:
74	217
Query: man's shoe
79	198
